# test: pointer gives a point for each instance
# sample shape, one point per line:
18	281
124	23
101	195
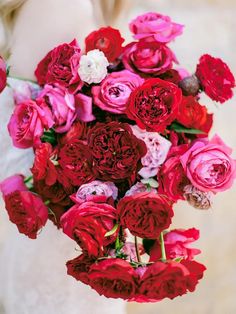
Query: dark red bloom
3	74
79	268
76	132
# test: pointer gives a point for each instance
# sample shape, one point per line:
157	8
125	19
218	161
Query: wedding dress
33	277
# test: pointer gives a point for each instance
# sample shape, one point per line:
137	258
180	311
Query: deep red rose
79	268
172	76
106	39
145	214
55	213
88	223
43	167
154	105
77	131
60	66
113	278
172	177
116	151
215	77
3	74
27	211
75	159
148	58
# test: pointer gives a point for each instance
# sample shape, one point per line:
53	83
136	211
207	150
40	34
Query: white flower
93	67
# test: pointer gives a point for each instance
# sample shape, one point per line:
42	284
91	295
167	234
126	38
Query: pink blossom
12	184
140	187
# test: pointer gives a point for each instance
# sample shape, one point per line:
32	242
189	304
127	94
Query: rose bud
3	74
190	86
196	198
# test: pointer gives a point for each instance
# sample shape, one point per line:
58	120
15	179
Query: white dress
33	277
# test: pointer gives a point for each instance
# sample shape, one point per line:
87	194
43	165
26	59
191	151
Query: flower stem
136	249
163	251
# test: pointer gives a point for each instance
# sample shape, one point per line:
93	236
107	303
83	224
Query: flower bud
197	198
190	85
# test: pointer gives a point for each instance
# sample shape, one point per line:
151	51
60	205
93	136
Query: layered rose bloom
3	74
155	25
114	91
79	268
208	165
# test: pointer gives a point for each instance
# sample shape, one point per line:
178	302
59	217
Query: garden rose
196	198
154	105
215	77
12	184
3	74
155	25
106	39
77	131
148	58
208	165
114	91
140	187
145	214
79	268
116	152
27	123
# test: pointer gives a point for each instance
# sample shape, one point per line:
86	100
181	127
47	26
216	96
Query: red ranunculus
106	39
215	77
116	151
60	66
113	278
154	105
145	214
79	268
3	74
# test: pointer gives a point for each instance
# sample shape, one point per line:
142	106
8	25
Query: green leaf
178	259
181	129
112	231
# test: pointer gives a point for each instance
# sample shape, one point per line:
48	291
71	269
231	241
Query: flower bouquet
119	136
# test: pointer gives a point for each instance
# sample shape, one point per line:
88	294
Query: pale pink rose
157	150
113	93
208	165
155	25
140	187
95	191
12	184
23	90
28	121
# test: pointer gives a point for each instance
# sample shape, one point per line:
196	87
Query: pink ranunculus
12	184
113	92
28	121
95	191
155	25
157	150
148	58
208	165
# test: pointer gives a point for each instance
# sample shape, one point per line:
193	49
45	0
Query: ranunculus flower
95	191
154	105
157	150
3	74
93	67
60	66
208	165
155	25
115	151
113	278
88	223
215	78
172	177
106	39
114	91
79	268
27	123
148	58
196	198
43	167
145	214
177	244
75	159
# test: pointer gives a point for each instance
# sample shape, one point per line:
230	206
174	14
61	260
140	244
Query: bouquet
119	136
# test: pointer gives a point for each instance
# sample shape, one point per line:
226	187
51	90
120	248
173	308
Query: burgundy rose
154	105
215	77
79	268
77	131
145	214
3	74
116	151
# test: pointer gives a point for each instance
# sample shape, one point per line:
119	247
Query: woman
34	272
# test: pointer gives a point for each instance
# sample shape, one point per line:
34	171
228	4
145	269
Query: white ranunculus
93	67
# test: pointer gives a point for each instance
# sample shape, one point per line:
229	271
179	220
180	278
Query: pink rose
114	91
27	123
23	91
140	187
12	184
3	74
157	150
148	58
155	25
208	165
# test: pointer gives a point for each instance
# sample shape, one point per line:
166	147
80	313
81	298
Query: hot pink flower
3	74
12	184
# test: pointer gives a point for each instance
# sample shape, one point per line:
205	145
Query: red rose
3	74
154	105
75	159
172	177
87	224
79	268
215	77
116	151
148	58
172	76
145	214
113	278
77	131
106	39
55	213
60	66
43	167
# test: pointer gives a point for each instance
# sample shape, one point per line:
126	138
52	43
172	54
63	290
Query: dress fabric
33	277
